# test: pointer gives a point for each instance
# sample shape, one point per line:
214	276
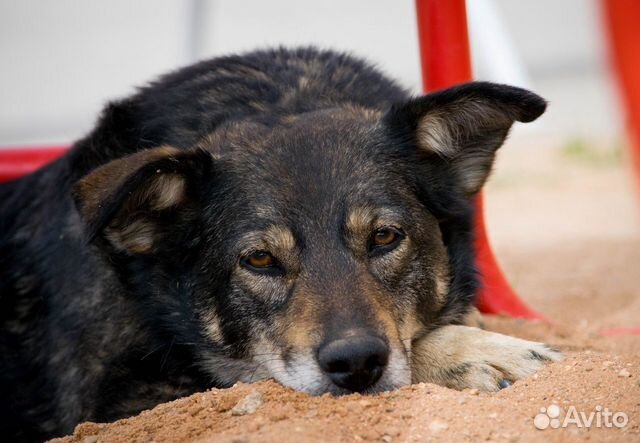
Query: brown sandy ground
566	226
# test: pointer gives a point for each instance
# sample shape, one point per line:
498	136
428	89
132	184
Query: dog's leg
462	357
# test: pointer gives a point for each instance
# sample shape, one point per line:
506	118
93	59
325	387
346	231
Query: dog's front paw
461	357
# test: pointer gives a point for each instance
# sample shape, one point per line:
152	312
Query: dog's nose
354	363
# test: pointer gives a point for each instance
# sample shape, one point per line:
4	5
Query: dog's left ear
138	201
462	127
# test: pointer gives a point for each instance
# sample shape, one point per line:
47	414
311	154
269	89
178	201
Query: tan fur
301	321
363	220
280	237
169	191
265	211
474	318
369	114
212	327
407	329
129	231
441	131
137	237
278	240
446	131
161	192
461	357
359	221
258	106
475	170
442	282
95	188
303	82
289	119
434	135
303	333
386	318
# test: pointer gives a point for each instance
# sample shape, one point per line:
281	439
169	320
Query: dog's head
313	250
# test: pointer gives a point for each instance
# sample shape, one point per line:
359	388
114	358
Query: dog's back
35	263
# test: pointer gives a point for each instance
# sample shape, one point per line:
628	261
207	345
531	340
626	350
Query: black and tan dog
286	214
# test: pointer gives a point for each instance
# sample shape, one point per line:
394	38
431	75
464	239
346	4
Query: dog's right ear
458	130
135	200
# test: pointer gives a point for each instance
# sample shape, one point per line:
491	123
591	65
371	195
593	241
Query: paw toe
545	353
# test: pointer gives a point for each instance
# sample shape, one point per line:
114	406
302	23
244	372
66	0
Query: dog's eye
385	239
260	261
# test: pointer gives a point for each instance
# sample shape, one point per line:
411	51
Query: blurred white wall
61	60
563	49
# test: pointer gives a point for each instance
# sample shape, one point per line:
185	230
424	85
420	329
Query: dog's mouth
304	372
358	364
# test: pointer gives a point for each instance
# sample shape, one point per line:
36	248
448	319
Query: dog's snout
354	363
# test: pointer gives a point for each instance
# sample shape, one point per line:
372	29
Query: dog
289	214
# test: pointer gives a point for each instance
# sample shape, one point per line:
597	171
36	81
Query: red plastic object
446	61
16	162
622	20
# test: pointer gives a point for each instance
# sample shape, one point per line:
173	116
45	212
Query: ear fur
127	198
464	126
